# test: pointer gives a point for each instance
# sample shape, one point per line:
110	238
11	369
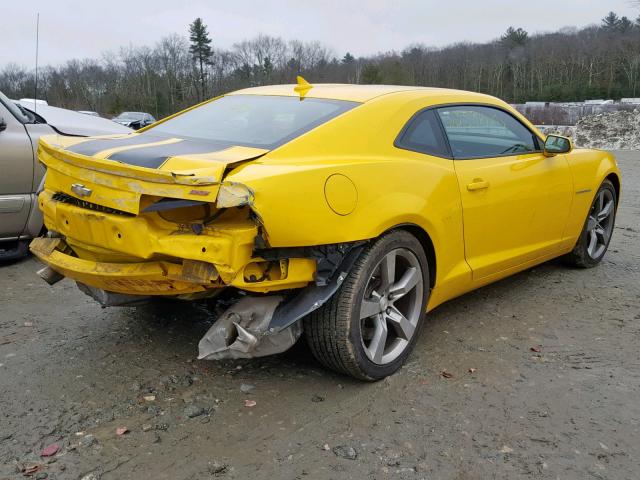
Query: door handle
477	184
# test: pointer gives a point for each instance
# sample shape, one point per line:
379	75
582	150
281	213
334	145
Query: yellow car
341	212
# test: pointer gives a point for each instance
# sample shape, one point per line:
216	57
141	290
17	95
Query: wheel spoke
369	308
593	242
600	201
403	286
404	328
379	340
606	211
388	270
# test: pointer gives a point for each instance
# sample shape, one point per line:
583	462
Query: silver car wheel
390	307
600	223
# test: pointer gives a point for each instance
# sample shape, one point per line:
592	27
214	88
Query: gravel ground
72	373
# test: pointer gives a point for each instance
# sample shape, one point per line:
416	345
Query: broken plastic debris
250	403
50	450
242	331
121	431
234	195
472	370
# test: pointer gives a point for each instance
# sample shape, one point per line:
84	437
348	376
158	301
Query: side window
477	132
423	134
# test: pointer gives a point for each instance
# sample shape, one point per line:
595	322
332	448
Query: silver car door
16	175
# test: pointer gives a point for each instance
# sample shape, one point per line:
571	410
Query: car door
16	177
515	200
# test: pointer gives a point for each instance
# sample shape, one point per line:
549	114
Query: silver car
21	174
135	120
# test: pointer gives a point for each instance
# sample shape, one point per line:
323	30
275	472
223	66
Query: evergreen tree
625	25
514	37
371	74
611	22
200	49
348	59
267	67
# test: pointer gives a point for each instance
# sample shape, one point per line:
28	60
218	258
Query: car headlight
234	195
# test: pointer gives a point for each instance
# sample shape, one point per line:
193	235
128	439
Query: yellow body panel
344	181
521	214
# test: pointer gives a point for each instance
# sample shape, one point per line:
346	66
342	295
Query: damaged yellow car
344	212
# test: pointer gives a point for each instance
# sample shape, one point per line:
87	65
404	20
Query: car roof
349	92
71	122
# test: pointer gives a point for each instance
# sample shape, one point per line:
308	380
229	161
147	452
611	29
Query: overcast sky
86	28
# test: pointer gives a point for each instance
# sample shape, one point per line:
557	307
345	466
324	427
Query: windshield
130	116
254	120
17	112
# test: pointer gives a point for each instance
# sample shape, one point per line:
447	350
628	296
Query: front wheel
368	328
597	231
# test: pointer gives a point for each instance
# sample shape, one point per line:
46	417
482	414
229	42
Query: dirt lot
71	373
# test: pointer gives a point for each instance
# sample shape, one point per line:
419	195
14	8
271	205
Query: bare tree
571	64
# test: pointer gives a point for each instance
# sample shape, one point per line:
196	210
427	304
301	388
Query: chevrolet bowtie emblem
81	190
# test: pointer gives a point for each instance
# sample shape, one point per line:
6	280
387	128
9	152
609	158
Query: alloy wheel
391	306
600	223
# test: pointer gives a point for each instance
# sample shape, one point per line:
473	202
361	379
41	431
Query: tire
12	251
344	337
597	231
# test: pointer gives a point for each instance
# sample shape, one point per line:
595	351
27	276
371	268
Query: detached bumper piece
243	331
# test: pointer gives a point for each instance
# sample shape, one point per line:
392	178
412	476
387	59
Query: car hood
69	122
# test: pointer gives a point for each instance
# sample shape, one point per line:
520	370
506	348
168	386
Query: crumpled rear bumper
146	255
144	278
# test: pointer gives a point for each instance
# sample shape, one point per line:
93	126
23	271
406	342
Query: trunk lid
128	172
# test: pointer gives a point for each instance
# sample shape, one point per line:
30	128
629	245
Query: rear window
253	120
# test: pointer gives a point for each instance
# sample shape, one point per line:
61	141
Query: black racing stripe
91	147
154	156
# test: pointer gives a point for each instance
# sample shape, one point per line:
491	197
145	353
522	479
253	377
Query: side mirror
555	144
3	125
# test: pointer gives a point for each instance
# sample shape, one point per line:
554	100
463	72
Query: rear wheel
370	325
597	231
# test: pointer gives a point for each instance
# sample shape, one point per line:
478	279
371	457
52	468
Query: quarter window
479	132
423	134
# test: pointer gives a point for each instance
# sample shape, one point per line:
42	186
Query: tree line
599	61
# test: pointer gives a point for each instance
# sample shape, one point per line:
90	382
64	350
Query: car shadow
178	326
